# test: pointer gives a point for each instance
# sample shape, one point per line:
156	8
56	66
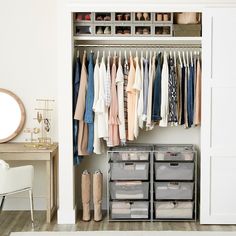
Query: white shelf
147	40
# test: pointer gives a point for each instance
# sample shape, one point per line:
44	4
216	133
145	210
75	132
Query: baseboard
66	216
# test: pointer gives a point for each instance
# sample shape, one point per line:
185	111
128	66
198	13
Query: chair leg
1	206
31	205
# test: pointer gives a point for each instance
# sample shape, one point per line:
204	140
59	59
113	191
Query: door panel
218	131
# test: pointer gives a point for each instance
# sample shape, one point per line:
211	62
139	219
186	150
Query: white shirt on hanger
140	101
120	95
164	93
137	86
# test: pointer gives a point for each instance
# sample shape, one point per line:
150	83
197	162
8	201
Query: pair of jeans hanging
89	115
156	107
191	96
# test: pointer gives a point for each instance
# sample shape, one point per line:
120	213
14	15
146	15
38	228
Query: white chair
16	180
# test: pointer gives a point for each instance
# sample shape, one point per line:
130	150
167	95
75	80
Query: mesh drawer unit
174	152
129	171
174	171
174	210
174	190
129	190
129	210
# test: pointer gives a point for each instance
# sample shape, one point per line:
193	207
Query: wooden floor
17	221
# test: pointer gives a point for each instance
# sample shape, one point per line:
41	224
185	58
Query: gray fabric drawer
129	156
173	210
129	190
174	153
174	171
130	210
129	171
175	191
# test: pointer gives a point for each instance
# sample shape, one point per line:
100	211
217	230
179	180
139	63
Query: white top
164	93
140	101
120	95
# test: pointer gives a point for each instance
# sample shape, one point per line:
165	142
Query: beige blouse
80	109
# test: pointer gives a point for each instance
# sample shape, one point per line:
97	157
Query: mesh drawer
175	191
174	210
174	171
130	210
129	171
174	153
129	190
129	156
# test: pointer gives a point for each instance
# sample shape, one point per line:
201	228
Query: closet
217	43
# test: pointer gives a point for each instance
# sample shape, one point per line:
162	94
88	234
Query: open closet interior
137	79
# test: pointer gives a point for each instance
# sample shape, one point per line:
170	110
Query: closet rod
141	45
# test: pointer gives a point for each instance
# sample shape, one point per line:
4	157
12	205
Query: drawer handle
174	185
174	165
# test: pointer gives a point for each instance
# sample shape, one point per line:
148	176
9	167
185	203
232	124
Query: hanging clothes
140	101
131	98
114	139
100	107
164	93
97	141
107	84
145	88
76	84
137	86
120	95
152	72
186	95
156	108
172	118
197	111
190	95
126	73
182	122
88	116
80	109
179	91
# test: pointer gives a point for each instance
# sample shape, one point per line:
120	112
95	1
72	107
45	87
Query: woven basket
188	18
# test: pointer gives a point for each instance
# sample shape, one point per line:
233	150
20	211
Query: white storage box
174	190
174	210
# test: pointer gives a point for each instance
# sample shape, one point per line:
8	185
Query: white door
218	131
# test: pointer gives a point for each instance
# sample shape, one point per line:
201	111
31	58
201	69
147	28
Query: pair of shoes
123	31
100	30
97	194
143	30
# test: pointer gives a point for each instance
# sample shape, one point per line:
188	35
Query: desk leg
49	177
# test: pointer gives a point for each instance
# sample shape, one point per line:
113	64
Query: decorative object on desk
12	117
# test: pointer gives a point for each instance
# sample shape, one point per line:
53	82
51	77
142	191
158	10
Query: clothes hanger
136	53
142	53
175	60
77	54
187	58
180	60
191	57
125	55
97	55
130	53
184	59
146	54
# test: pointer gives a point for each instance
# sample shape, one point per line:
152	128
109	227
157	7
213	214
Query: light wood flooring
16	221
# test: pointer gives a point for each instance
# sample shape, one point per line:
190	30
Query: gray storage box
187	30
174	210
174	190
129	171
129	210
174	153
129	190
174	171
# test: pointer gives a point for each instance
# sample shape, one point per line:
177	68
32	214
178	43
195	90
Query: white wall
28	67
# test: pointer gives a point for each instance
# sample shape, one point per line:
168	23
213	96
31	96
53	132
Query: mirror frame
23	115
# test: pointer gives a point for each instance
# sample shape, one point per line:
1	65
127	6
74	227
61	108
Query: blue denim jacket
89	114
156	107
76	84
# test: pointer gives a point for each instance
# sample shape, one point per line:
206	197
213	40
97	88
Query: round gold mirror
12	115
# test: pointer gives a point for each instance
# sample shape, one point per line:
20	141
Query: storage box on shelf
175	186
129	183
187	30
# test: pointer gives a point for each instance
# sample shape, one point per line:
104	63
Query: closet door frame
214	154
